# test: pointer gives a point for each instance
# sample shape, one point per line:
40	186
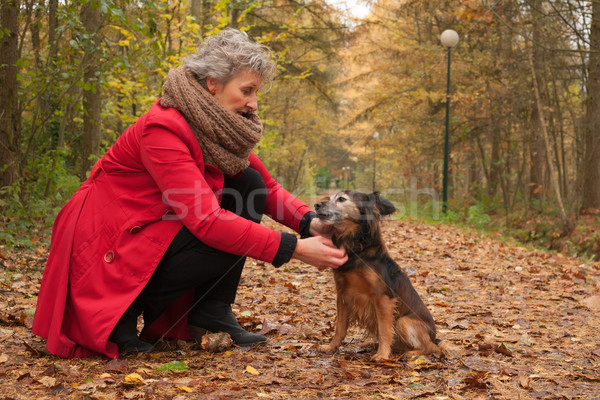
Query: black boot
125	334
215	316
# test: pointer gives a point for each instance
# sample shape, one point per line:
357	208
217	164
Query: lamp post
449	39
375	136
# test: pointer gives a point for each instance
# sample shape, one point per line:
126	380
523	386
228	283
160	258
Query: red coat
108	239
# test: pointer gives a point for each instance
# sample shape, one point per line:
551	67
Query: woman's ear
211	84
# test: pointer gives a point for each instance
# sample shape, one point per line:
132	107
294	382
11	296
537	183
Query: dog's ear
383	205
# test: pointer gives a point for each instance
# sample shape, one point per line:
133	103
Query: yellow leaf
419	361
134	378
184	388
47	381
250	369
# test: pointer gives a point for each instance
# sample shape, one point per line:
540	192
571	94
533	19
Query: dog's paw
327	349
380	357
413	354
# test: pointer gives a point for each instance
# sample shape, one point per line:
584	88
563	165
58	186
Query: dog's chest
359	290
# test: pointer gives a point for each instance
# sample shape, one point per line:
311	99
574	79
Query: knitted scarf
226	138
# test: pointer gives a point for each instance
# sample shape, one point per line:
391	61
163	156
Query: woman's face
239	94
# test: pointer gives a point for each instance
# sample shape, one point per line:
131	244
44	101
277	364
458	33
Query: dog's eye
341	199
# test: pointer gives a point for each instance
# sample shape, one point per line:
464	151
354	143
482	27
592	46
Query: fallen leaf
503	348
134	395
524	381
592	302
134	379
475	381
117	365
47	381
480	365
250	369
172	366
184	388
216	342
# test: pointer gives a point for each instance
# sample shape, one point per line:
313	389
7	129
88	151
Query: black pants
190	264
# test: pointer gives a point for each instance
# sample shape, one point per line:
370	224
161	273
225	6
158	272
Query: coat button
109	256
135	229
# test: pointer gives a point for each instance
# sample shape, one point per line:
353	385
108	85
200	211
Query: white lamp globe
449	38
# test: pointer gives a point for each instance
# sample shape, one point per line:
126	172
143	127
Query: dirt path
517	324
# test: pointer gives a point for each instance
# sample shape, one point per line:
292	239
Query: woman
166	218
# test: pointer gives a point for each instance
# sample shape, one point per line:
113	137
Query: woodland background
525	135
525	126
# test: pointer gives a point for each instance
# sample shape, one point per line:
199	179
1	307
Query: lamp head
449	38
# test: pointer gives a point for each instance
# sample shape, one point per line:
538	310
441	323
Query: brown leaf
25	377
26	320
116	365
503	349
30	349
292	286
274	326
364	382
592	302
49	371
216	342
9	319
47	381
524	381
480	365
475	381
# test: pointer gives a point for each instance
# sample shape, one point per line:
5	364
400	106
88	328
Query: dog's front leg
341	326
384	308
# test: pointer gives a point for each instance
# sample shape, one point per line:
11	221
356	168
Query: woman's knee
253	180
246	195
257	196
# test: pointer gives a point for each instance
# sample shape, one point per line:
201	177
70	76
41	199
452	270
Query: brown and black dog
371	287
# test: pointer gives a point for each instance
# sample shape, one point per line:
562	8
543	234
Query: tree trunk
91	19
591	160
52	25
566	224
495	159
538	154
196	10
10	117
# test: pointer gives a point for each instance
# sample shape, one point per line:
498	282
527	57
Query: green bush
476	216
34	200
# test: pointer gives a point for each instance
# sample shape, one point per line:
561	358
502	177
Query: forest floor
515	323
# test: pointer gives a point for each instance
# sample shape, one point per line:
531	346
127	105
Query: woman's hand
320	252
317	227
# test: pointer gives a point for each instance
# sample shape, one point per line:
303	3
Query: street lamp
449	39
375	136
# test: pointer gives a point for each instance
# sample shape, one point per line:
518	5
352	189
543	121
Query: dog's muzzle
324	213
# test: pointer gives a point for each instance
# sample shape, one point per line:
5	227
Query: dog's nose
317	206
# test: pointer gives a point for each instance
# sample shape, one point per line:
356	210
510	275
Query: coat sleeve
281	205
170	163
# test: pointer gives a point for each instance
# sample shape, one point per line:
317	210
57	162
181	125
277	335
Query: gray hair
223	55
